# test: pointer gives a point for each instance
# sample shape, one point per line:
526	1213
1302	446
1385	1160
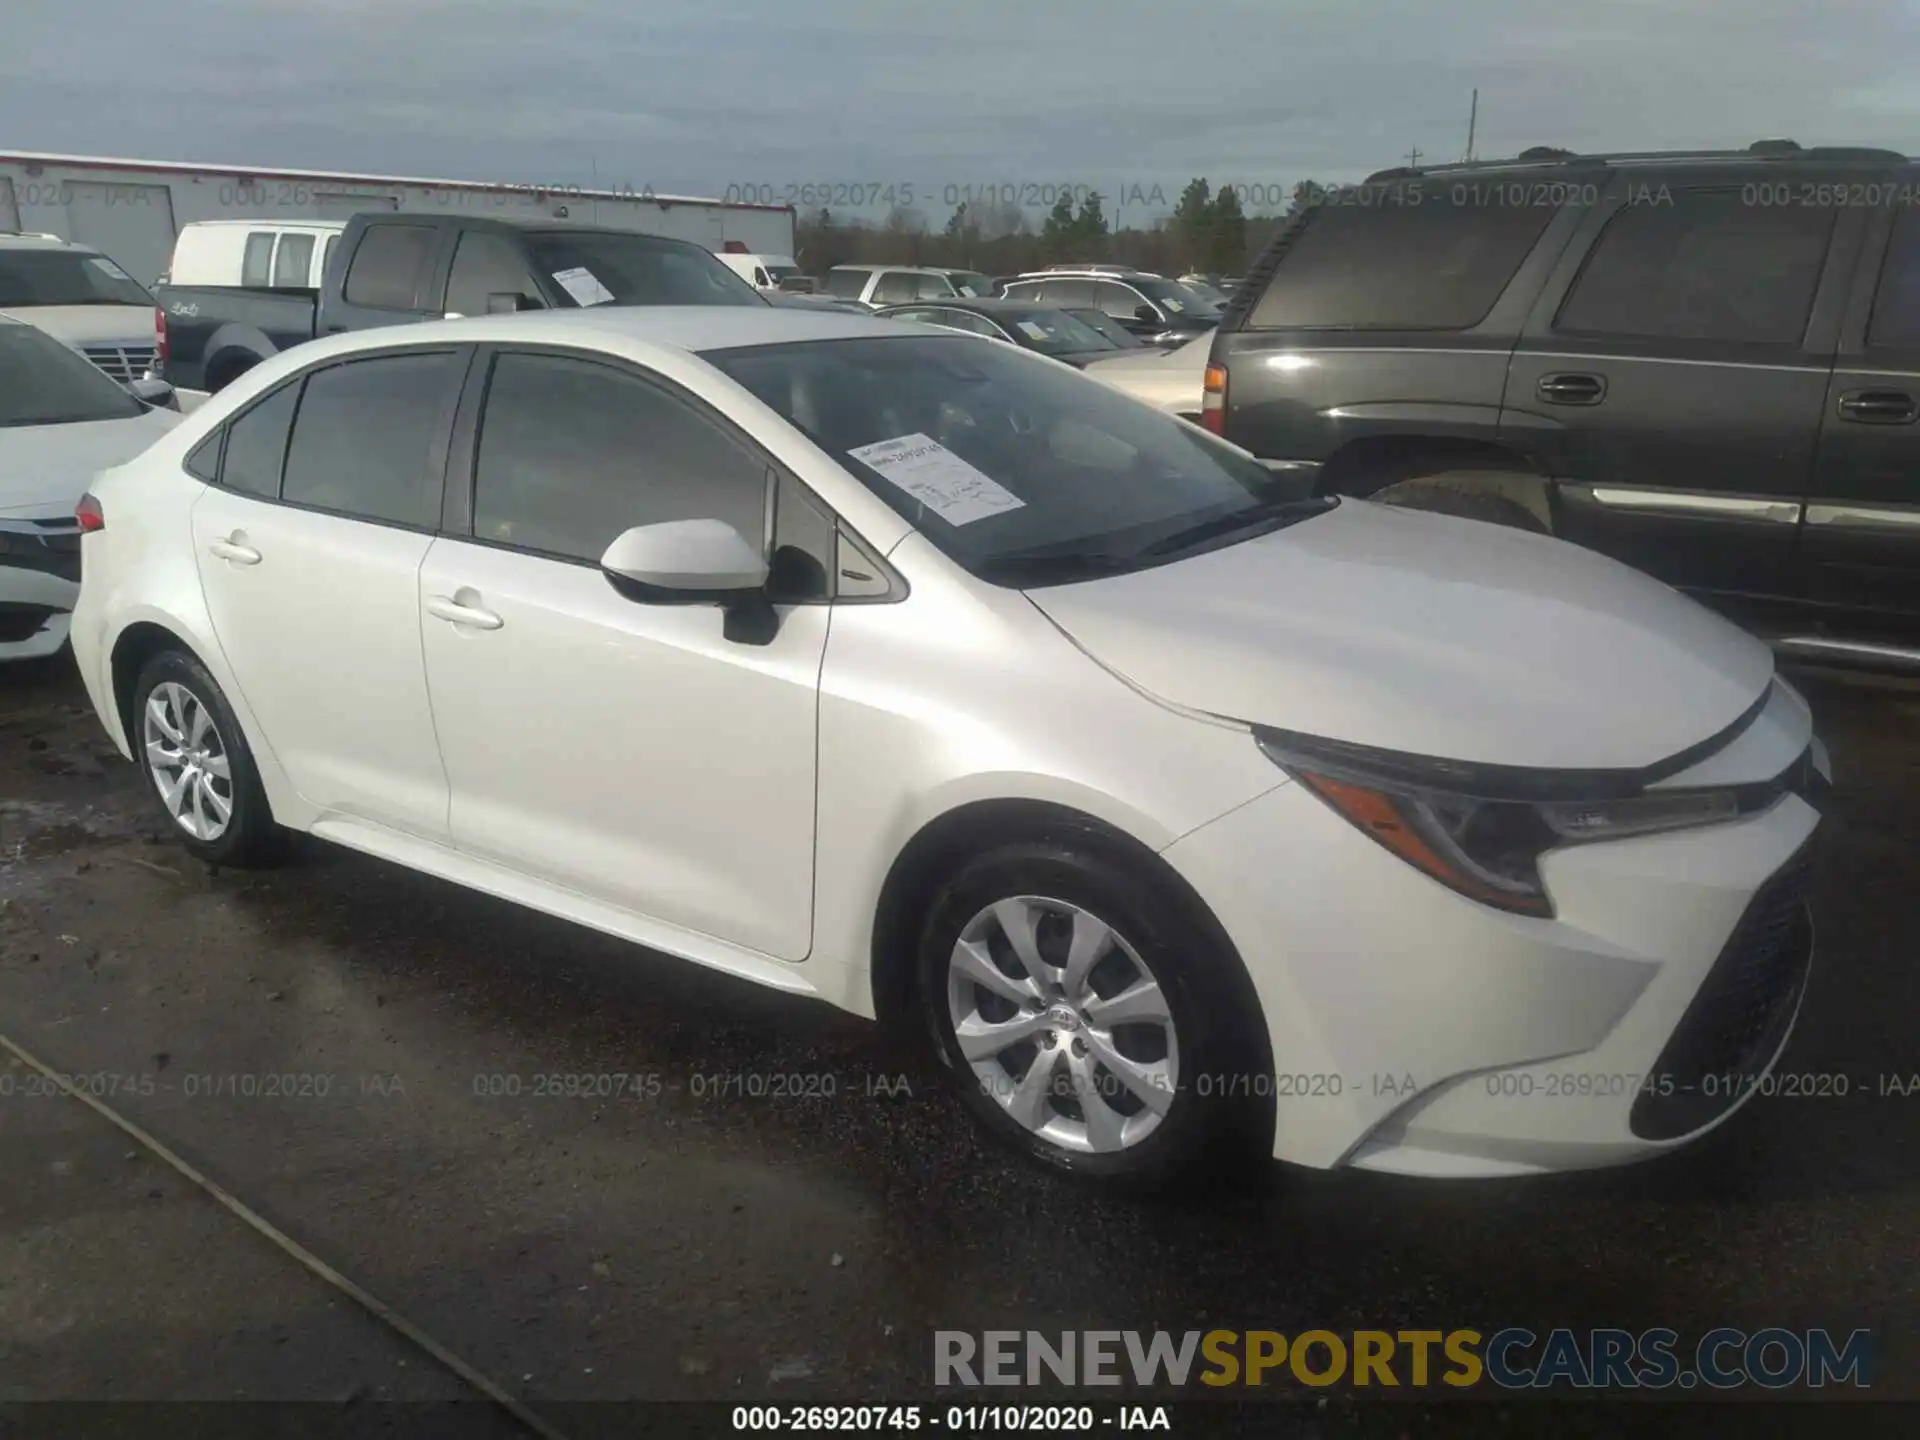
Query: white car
1169	380
82	299
936	681
61	421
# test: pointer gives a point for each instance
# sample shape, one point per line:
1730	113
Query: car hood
1428	635
45	469
90	324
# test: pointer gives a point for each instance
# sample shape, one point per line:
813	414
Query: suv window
1117	300
257	444
932	287
894	286
293	261
572	453
1062	293
391	267
1428	266
1705	267
364	434
1896	303
847	284
483	265
256	261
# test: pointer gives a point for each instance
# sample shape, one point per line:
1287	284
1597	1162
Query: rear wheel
1085	1020
191	749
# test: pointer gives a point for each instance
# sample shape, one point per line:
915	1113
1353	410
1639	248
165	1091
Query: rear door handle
1879	407
447	608
1572	389
233	550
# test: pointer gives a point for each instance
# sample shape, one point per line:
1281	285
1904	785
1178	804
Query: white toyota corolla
930	678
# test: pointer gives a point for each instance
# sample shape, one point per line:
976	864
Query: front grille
121	362
1738	1017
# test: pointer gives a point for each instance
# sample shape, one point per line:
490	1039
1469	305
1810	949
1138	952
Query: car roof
257	224
42	242
533	224
1761	153
908	269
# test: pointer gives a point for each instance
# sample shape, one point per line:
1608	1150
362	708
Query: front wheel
191	749
1084	1018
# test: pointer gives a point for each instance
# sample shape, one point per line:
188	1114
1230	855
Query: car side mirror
154	393
695	562
513	304
1146	314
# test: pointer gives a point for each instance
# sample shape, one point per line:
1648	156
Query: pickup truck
392	268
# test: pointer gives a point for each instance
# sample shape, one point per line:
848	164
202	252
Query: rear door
1860	545
1392	310
1672	373
394	275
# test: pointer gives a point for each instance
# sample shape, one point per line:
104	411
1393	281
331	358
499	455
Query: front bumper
1419	1032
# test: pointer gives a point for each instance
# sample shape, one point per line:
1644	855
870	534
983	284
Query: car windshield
1053	332
602	269
1213	297
1122	337
65	277
971	282
1023	472
42	382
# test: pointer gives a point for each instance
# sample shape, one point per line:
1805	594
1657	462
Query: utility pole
1473	119
1413	157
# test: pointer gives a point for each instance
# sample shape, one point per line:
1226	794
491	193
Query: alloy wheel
1063	1023
188	760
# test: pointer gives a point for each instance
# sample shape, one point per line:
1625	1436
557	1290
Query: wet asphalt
355	1052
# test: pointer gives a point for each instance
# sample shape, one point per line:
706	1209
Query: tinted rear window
364	434
1391	265
391	267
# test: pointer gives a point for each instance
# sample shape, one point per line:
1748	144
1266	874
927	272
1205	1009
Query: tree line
1207	232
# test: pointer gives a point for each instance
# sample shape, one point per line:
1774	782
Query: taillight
1213	400
90	515
159	341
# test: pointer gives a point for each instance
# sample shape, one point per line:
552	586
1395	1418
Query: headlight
1481	830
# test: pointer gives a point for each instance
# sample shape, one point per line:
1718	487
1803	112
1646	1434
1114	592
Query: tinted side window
484	265
931	287
257	444
1028	290
391	267
847	284
1062	293
1431	266
203	461
365	433
1705	267
293	260
326	256
1896	303
1116	300
256	262
573	453
895	286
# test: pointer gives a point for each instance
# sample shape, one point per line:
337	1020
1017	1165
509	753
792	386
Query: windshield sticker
1174	305
583	285
1034	332
106	266
937	478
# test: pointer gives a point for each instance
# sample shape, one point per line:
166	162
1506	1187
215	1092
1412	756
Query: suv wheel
1464	494
190	748
1083	1019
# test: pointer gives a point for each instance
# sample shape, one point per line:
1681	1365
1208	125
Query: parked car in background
1099	320
877	285
768	273
1207	291
969	282
785	625
1665	366
1160	312
1076	268
1031	327
1169	380
61	420
800	301
81	298
394	268
255	254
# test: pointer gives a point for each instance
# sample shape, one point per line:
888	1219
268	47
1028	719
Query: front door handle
445	607
1879	407
232	549
1572	389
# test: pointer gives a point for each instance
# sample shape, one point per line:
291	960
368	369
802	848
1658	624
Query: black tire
1212	1124
1444	495
228	371
250	838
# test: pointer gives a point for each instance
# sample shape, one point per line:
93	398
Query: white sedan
934	680
61	420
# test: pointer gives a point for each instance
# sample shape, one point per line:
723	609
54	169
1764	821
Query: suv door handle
1879	407
233	550
1564	389
473	616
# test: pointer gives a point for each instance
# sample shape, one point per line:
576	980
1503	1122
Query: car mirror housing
153	392
685	562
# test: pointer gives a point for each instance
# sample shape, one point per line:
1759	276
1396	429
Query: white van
768	272
257	254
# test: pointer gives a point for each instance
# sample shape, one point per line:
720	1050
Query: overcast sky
695	96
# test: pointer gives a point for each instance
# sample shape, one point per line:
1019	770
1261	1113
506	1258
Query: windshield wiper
1261	519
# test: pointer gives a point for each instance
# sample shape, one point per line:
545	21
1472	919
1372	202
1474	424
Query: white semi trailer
131	209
